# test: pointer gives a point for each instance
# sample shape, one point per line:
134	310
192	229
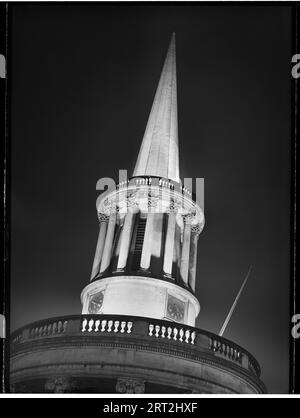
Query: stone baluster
157	329
175	332
169	332
151	328
91	323
110	324
129	327
123	325
97	323
181	334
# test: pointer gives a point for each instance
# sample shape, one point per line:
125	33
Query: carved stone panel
175	309
95	303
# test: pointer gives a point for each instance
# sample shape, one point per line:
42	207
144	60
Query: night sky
83	78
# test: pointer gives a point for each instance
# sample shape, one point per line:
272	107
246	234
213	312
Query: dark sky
83	81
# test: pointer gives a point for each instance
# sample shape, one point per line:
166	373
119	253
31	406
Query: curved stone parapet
77	353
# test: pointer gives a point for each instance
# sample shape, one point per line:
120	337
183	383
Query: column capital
196	230
173	208
110	206
153	201
113	209
59	384
154	204
127	385
188	218
103	217
132	203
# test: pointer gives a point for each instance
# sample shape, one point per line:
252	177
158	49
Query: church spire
158	154
146	254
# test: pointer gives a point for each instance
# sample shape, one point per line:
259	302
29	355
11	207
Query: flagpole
235	303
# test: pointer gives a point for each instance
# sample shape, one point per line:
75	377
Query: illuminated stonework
175	309
136	333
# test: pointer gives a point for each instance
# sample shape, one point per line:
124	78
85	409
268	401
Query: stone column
185	254
177	252
125	239
103	220
148	238
193	257
108	242
157	237
169	243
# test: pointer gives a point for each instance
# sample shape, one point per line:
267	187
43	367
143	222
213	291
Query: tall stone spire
158	154
146	253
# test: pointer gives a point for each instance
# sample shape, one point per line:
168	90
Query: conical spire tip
158	154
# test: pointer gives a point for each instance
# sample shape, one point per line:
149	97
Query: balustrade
104	325
226	350
56	327
139	328
172	333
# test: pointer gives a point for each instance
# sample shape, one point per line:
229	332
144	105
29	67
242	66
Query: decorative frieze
145	197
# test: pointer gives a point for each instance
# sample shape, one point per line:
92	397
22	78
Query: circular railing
171	334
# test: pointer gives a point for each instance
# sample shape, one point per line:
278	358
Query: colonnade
153	239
